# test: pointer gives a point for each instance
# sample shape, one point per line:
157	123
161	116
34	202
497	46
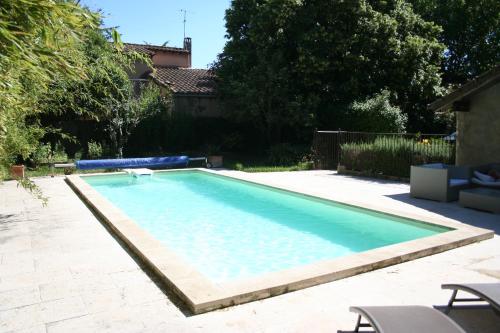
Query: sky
158	21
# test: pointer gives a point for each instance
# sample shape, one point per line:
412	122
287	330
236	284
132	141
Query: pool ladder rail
139	172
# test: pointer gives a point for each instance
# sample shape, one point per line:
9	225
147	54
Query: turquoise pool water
231	229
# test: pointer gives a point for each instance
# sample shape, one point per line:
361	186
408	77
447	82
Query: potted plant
17	171
214	157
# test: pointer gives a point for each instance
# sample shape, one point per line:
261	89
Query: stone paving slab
61	271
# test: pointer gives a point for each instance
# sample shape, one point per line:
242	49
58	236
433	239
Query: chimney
187	46
187	43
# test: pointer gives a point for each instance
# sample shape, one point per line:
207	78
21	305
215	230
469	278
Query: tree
124	116
303	63
254	70
106	95
38	42
351	50
105	82
471	34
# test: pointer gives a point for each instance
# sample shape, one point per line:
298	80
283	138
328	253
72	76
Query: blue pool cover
152	162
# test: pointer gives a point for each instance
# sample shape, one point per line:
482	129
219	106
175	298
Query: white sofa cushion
483	177
483	183
458	182
434	165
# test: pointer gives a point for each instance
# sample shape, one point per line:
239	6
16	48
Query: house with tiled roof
193	89
185	81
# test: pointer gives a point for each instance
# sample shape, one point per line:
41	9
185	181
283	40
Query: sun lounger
487	292
408	319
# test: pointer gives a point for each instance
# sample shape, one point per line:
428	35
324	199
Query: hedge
392	156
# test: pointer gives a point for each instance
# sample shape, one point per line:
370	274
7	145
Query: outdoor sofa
485	194
482	198
438	181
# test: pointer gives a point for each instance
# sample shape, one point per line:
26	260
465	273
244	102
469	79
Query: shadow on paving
469	216
160	284
473	319
10	218
8	222
450	210
368	180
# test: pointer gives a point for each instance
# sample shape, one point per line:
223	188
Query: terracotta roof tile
186	80
151	49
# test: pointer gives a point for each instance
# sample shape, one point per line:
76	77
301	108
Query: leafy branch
34	189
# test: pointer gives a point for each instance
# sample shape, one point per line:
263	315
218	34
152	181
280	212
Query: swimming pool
229	229
219	241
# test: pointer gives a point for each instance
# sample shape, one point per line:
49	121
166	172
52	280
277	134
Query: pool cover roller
151	162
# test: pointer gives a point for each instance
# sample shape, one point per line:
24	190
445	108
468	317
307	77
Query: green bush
94	150
394	156
376	114
58	154
284	154
306	165
44	154
78	155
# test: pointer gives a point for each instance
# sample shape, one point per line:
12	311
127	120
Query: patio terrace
61	270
